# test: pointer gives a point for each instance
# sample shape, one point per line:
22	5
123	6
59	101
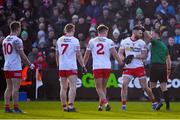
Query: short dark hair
137	27
15	25
69	27
101	28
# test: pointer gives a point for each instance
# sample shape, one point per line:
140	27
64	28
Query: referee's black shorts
158	72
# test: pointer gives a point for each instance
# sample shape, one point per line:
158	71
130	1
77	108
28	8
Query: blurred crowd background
43	22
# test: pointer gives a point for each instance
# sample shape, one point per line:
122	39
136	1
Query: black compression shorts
158	72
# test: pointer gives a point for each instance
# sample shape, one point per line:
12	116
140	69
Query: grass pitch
88	110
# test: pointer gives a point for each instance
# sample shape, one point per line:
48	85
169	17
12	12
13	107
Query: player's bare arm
19	47
116	56
86	56
121	53
80	59
57	58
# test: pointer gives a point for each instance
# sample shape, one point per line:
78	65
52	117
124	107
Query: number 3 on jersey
64	46
100	50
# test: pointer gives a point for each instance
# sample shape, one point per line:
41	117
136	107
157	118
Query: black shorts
158	72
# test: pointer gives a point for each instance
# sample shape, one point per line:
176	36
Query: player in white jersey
67	52
13	53
101	48
135	52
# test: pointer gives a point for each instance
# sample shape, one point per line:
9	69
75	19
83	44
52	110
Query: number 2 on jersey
100	51
7	48
65	46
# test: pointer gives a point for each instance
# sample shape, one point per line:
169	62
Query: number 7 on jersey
64	46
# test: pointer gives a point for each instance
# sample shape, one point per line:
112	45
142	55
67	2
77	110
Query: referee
160	67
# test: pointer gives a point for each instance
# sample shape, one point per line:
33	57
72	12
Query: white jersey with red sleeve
11	46
133	48
100	49
66	47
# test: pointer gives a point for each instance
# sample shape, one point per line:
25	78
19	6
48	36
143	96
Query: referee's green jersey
159	51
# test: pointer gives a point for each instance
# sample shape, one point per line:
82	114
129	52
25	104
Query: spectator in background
116	39
115	5
93	10
41	20
177	36
160	18
59	25
5	28
130	9
81	32
166	8
106	17
40	39
71	12
55	15
49	28
27	7
46	8
2	82
92	34
178	14
1	40
82	28
157	25
31	24
51	37
54	43
147	24
148	7
120	18
26	42
61	7
121	22
130	12
164	35
42	26
75	19
171	25
40	62
79	8
2	2
2	16
139	14
174	51
24	24
51	60
32	55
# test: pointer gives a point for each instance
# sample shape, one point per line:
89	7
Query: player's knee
73	88
9	90
144	87
124	85
164	88
99	86
64	88
15	91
